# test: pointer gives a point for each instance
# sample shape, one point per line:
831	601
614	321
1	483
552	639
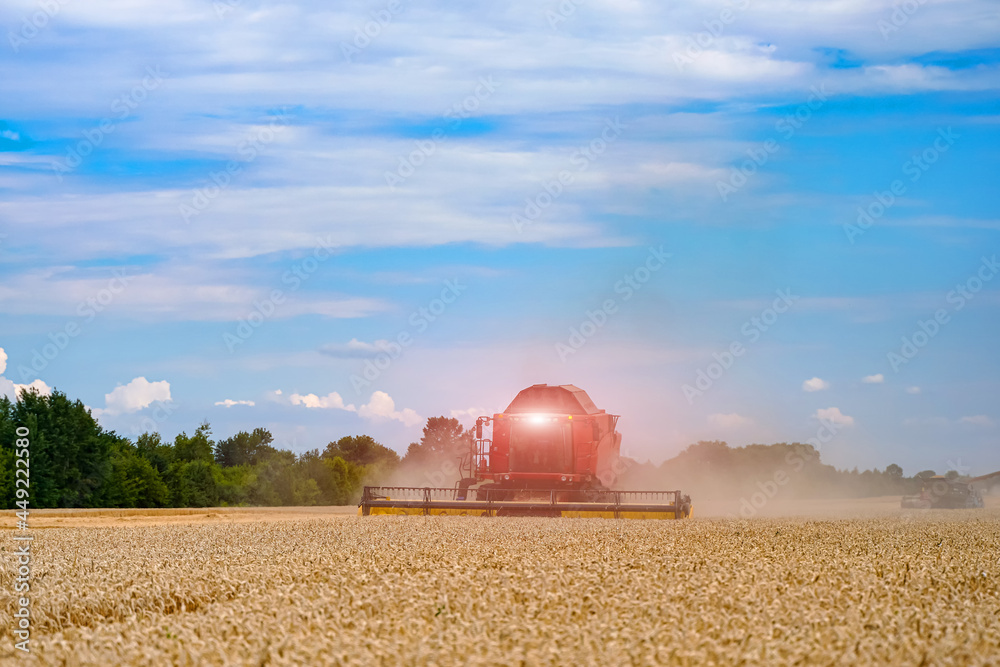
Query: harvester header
552	452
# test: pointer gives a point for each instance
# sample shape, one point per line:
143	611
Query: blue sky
228	211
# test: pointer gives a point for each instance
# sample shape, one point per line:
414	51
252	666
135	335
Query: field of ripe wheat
904	589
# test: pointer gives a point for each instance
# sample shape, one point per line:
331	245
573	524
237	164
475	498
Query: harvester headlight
506	476
563	478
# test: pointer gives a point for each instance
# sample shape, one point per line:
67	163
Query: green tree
338	481
198	447
282	480
346	480
192	484
273	482
361	450
159	454
8	437
244	448
7	463
70	453
133	481
234	483
443	439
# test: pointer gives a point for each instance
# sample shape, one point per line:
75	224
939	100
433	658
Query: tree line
713	469
74	462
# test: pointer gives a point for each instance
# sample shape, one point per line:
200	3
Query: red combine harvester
552	453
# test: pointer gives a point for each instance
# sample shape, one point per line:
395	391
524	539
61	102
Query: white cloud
230	403
913	390
12	390
134	396
171	291
878	378
381	406
615	46
834	416
977	420
332	401
815	384
37	385
728	421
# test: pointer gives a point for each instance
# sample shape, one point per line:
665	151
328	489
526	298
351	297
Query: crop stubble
464	590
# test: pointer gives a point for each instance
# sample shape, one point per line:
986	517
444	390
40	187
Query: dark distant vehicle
986	484
939	492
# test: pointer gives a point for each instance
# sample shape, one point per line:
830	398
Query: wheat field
897	589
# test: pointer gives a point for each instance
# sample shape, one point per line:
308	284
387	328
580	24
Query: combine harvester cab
552	452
